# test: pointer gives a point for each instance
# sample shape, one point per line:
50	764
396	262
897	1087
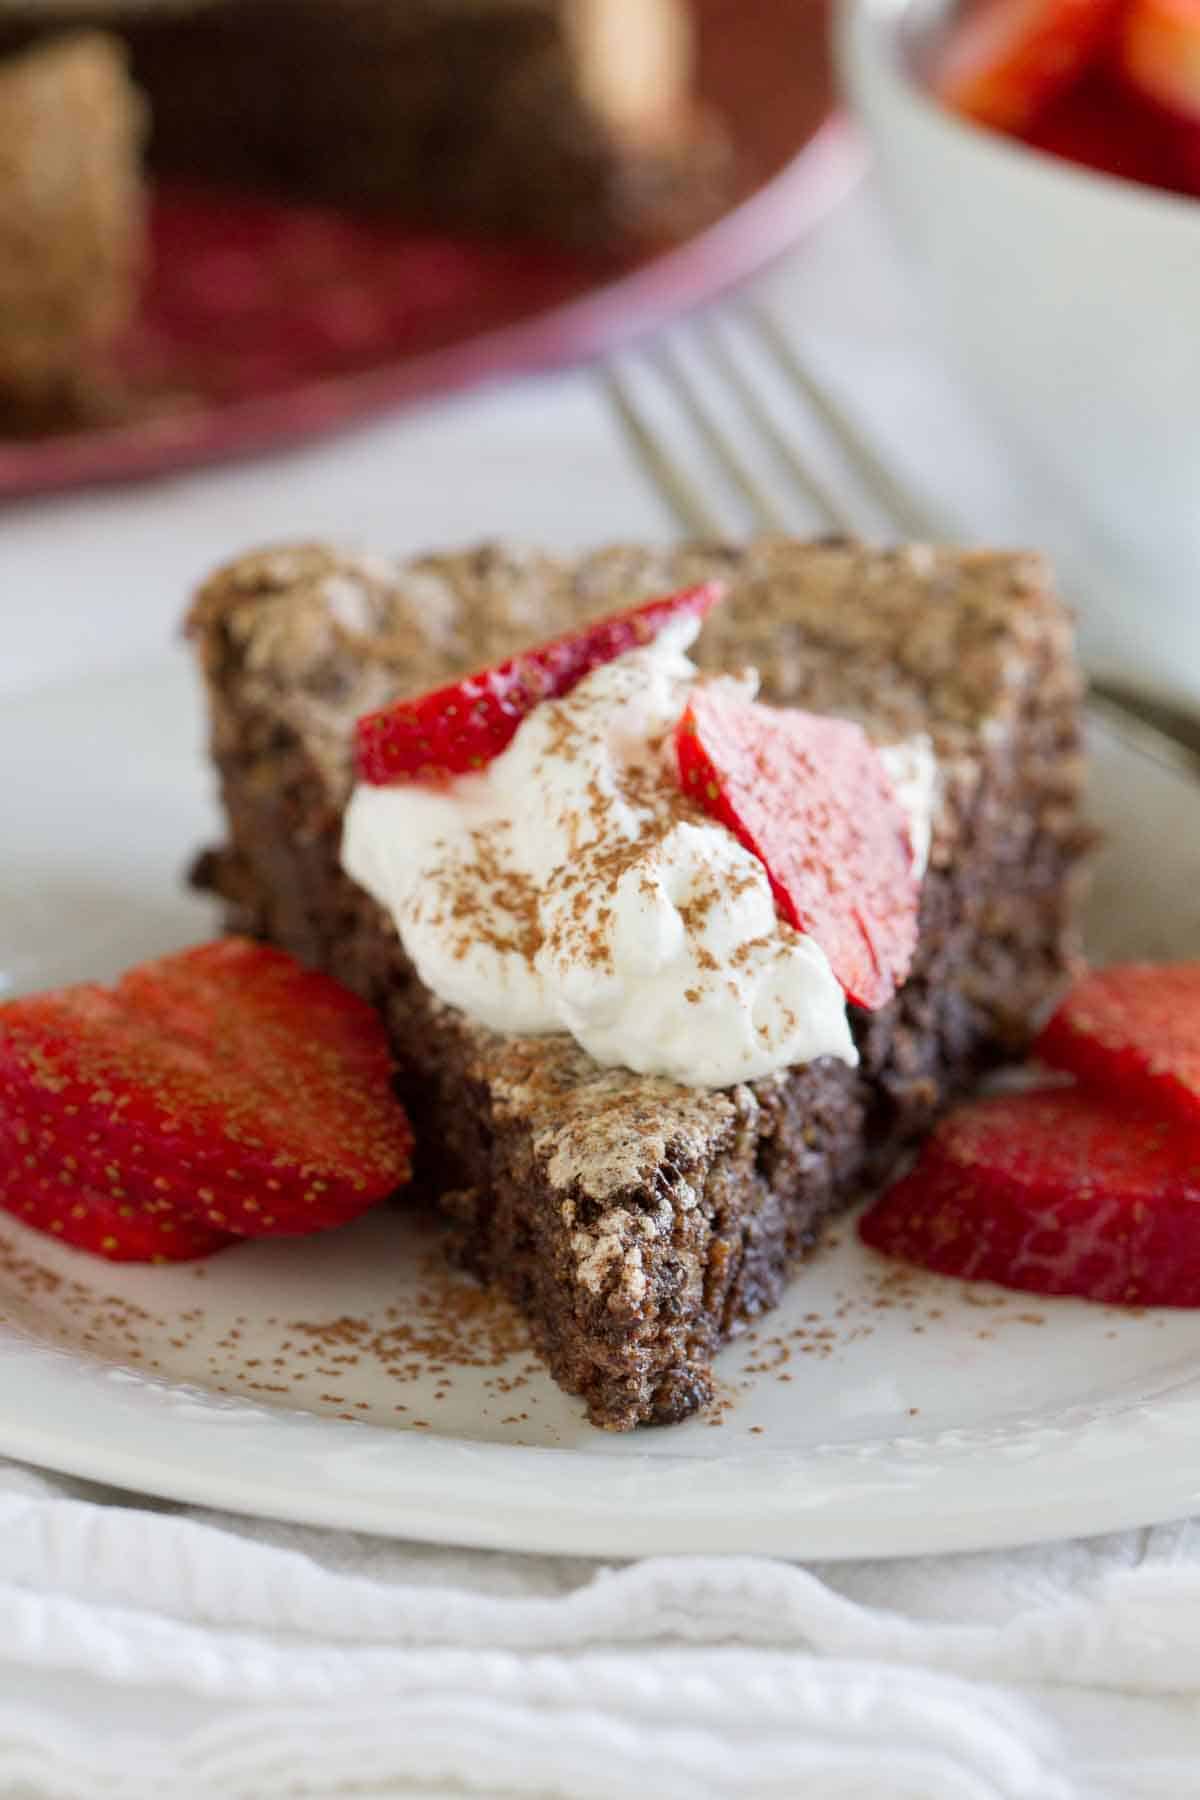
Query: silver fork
763	432
722	376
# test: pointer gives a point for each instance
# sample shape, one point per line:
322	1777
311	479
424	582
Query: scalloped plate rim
493	1496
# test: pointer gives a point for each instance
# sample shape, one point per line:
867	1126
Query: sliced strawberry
458	729
1006	59
810	797
1188	158
227	1082
1055	1192
1159	54
1104	126
1132	1031
60	1200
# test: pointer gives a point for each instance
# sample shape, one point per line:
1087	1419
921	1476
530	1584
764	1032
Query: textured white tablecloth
178	1653
149	1650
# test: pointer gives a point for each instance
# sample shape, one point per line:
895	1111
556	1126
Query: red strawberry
812	800
1103	126
1055	1192
457	729
1159	55
59	1199
226	1082
1133	1032
1188	158
1007	59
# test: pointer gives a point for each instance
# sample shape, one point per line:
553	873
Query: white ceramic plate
874	1414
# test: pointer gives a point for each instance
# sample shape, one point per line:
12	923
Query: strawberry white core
572	887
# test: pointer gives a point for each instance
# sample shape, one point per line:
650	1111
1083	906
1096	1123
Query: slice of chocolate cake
570	120
639	1223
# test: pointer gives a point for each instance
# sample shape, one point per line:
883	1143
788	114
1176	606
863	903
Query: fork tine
763	509
1168	737
904	511
827	504
672	484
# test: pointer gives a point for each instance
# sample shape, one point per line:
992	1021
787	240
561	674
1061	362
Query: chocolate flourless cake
639	1224
570	120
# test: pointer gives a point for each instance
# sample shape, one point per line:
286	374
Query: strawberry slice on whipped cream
812	799
460	728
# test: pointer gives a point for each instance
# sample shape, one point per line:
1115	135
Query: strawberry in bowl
1113	84
1042	158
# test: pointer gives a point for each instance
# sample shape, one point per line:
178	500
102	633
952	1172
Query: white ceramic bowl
1072	301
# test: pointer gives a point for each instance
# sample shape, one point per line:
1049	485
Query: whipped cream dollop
571	886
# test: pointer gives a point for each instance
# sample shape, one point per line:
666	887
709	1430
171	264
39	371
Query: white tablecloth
147	1649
